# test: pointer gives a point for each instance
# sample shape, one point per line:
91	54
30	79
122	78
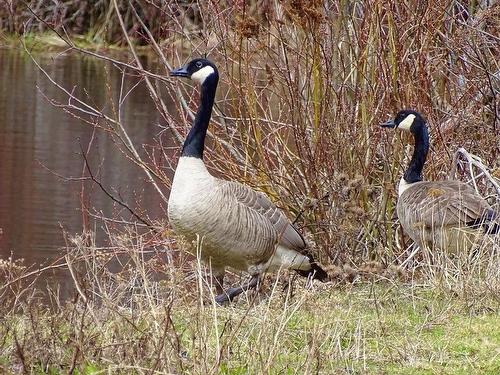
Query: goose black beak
388	124
179	72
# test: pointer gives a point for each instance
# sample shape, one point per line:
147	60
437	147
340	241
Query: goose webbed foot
232	293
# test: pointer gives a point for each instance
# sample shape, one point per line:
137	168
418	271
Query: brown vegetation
304	87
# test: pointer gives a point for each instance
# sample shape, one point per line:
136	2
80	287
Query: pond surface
40	144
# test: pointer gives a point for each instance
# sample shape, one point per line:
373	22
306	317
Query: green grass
365	328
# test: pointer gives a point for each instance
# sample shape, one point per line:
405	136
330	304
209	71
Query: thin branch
113	198
473	160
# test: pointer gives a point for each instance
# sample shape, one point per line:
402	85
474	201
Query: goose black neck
414	171
195	140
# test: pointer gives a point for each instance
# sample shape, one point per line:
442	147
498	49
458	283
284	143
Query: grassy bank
48	41
156	315
51	43
361	328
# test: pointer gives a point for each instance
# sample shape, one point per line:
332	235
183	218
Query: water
40	144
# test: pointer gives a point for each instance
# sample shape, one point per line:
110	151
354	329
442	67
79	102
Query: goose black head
406	119
199	70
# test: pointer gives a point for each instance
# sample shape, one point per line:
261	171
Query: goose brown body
231	224
237	227
439	214
448	215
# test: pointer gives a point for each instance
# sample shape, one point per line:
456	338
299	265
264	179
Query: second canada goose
237	226
438	214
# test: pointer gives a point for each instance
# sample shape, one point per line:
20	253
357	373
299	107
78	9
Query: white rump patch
202	74
406	123
403	185
286	258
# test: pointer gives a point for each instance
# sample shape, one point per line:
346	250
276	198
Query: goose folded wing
451	203
267	213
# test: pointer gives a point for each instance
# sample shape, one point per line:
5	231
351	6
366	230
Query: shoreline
50	42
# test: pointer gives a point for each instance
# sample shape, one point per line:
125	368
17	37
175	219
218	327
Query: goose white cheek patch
406	123
202	74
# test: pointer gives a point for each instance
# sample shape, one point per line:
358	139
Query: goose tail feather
489	221
315	272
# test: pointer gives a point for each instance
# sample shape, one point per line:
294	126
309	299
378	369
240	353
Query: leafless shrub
304	85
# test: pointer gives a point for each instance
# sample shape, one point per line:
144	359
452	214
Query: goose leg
231	293
218	282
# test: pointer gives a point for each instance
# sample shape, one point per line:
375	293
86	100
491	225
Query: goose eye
199	64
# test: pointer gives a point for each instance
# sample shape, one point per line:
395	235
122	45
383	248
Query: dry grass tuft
152	314
155	314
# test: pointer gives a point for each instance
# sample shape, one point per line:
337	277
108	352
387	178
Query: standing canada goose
438	214
237	226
